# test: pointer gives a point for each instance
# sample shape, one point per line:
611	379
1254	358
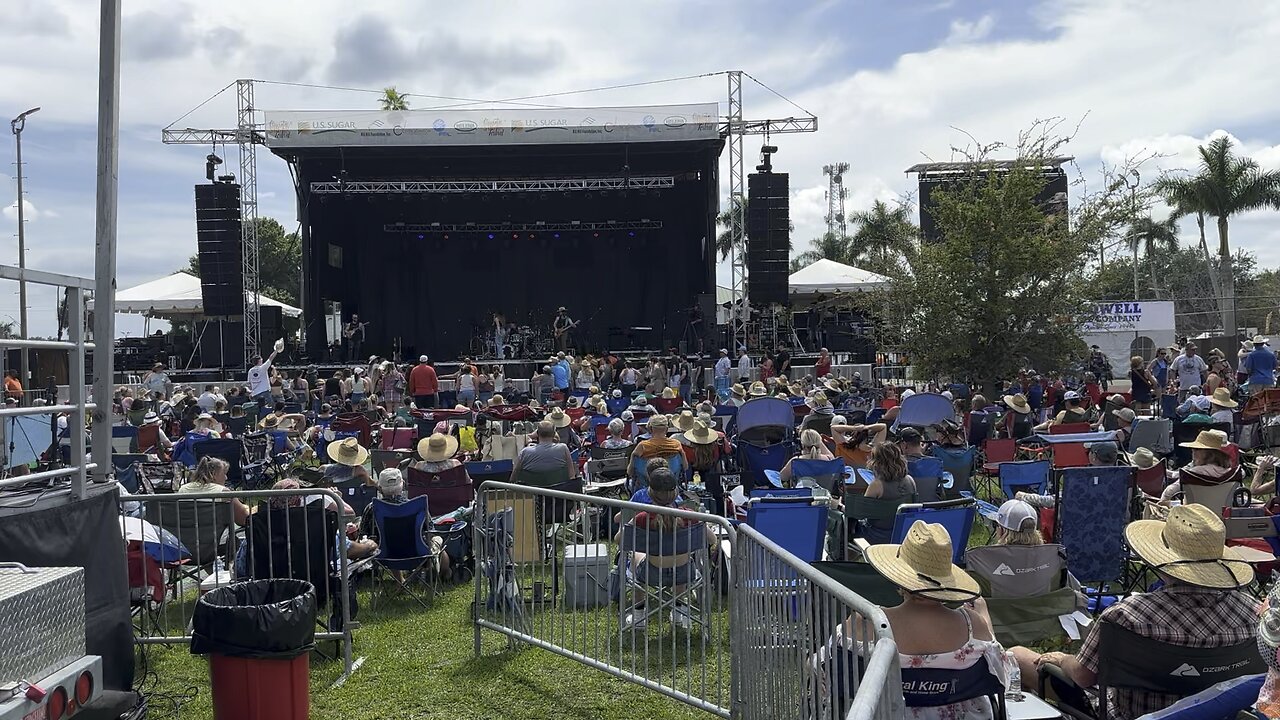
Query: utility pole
17	125
104	295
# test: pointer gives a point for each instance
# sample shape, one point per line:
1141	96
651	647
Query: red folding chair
1070	428
446	491
1067	455
1151	480
994	453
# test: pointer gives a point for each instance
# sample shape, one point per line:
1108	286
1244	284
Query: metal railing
550	564
206	526
77	408
802	641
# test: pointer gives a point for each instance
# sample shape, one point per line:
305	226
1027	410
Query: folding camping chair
793	519
956	516
381	459
870	520
500	540
927	472
608	465
995	452
677	589
1026	587
230	451
483	471
447	490
1092	511
981	427
403	553
1130	660
1070	428
959	462
356	493
200	525
1155	434
1067	455
756	460
396	438
826	474
922	410
1217	497
639	470
124	439
1031	475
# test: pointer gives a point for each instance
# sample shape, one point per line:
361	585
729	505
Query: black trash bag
256	619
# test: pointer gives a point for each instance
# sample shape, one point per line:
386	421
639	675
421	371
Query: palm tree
1225	184
393	99
884	235
829	246
1152	237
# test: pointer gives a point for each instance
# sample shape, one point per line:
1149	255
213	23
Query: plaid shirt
1179	615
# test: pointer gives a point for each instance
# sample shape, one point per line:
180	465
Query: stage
427	223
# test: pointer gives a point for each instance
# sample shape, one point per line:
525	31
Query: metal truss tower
245	130
836	194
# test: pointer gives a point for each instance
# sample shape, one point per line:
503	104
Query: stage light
515	236
421	236
446	236
631	234
557	236
530	236
490	236
595	234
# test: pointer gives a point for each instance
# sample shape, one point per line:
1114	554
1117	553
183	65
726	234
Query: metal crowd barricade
545	562
196	520
805	646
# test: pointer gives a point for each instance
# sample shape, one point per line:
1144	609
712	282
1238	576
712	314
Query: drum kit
522	342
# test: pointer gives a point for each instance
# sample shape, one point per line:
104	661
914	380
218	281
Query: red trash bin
258	636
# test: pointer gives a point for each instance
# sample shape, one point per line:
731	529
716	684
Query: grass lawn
419	664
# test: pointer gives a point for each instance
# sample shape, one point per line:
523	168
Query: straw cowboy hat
757	389
558	418
817	400
1222	398
437	447
347	452
1018	403
701	434
1260	340
833	386
922	565
270	422
1143	458
1208	440
497	400
1190	546
684	422
668	394
738	390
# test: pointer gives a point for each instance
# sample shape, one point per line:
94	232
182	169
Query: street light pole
17	125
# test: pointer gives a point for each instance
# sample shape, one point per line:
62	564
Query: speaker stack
768	238
218	247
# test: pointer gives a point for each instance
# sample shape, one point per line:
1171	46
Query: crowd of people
668	410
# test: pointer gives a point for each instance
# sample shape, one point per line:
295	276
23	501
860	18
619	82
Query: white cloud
965	31
29	212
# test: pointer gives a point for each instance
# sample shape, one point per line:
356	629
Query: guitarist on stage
561	326
353	332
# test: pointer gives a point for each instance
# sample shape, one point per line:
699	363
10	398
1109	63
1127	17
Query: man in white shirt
1190	369
745	366
260	380
722	374
209	399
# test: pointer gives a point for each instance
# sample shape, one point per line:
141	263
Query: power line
780	95
206	102
621	86
379	92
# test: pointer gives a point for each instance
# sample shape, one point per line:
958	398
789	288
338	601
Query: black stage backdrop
429	291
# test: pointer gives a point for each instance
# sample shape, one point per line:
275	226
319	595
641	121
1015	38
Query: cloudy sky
892	82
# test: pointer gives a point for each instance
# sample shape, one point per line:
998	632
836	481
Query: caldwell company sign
1136	315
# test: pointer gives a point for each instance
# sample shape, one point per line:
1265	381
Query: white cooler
586	575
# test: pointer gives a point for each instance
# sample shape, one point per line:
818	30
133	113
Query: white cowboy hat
559	418
738	390
757	389
347	452
701	434
437	447
1208	440
1222	398
1018	403
922	565
1142	458
150	418
684	422
669	394
1191	546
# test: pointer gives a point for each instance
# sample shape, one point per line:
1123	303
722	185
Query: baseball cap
422	358
390	480
1014	515
1105	451
1071	395
909	434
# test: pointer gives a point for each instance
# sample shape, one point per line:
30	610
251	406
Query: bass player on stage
561	327
353	332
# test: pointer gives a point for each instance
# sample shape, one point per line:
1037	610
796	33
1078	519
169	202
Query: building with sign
1124	329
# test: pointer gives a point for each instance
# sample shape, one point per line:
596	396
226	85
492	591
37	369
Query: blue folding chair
956	516
826	473
403	553
617	405
485	470
756	459
959	463
927	472
640	467
790	518
1093	509
124	439
1033	475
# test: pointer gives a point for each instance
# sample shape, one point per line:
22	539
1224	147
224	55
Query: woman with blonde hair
210	476
1141	382
811	448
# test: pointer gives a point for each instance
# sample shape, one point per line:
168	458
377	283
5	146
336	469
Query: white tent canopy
829	276
176	296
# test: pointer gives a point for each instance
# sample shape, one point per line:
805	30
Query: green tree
393	99
828	246
1225	184
885	238
1002	289
279	262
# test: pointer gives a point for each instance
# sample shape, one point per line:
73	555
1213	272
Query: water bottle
1013	690
217	566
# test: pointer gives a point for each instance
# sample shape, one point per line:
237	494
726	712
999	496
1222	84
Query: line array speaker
768	238
218	249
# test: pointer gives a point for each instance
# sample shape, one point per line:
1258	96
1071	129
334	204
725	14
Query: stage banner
522	126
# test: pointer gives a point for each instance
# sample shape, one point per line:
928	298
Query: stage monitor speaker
219	250
270	326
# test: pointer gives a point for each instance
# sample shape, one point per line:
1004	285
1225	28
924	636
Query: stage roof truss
397	187
522	227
